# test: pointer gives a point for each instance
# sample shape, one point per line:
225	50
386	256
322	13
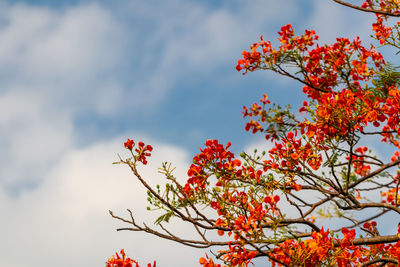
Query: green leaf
164	218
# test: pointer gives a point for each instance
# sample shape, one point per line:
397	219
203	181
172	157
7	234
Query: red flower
120	261
129	144
143	151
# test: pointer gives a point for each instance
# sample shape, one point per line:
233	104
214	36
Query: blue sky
79	77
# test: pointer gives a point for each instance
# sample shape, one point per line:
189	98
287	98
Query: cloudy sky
79	77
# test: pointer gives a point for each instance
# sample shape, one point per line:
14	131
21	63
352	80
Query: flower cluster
382	32
141	152
335	112
292	153
120	261
391	6
214	158
208	262
320	65
238	255
241	213
123	261
370	228
391	195
359	165
256	111
324	248
309	252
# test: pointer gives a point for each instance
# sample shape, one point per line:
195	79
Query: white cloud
51	65
68	56
32	137
43	43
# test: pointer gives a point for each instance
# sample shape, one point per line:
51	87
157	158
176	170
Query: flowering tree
273	203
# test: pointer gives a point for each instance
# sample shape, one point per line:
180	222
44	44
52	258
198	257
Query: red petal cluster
142	151
123	261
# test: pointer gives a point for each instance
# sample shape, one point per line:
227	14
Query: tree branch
384	260
370	10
